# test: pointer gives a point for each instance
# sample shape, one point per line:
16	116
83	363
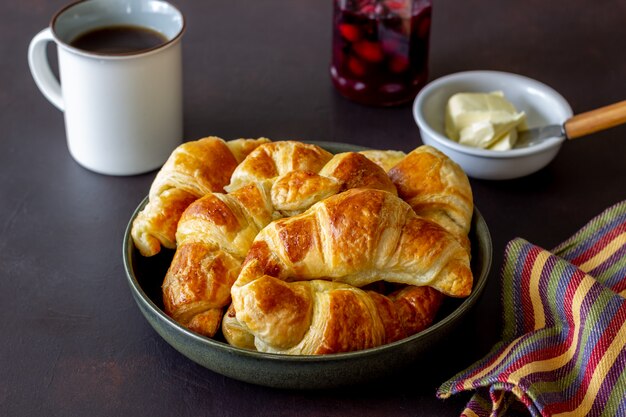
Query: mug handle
40	68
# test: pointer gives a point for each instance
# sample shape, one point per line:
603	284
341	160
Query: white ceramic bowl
542	105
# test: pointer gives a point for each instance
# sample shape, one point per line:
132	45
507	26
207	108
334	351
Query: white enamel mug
123	112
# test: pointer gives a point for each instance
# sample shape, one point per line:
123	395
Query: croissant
358	237
437	189
296	191
225	225
214	234
319	317
192	170
274	159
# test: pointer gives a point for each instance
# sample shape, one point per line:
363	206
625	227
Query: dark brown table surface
72	340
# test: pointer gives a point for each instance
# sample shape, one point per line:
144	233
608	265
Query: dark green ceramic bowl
145	276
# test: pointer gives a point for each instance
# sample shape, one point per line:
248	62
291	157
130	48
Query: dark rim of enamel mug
114	55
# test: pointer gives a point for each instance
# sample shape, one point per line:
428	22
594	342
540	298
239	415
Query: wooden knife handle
596	120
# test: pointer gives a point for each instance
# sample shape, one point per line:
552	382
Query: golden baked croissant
192	170
214	234
437	189
319	317
221	227
358	237
277	158
296	191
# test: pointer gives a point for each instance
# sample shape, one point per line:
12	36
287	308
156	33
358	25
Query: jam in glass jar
380	49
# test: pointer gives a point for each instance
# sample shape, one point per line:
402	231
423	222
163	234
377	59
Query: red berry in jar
349	32
369	51
356	66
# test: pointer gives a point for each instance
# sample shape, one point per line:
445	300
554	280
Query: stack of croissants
287	248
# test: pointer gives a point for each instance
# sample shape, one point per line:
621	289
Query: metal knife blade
537	135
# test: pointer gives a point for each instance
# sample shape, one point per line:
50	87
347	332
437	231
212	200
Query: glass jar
380	49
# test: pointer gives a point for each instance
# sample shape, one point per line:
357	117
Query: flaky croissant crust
437	189
354	238
358	237
320	317
193	169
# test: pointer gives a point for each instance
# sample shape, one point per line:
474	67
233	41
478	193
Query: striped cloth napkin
563	348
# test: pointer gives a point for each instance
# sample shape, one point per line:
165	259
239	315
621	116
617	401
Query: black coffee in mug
118	40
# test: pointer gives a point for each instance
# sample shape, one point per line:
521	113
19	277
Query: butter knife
582	124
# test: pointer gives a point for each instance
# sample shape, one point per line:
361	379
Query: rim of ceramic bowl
481	281
433	86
